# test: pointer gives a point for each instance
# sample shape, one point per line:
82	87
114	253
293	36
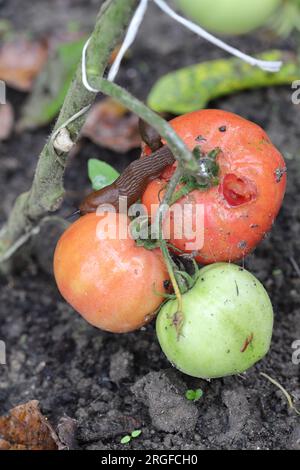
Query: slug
150	136
131	183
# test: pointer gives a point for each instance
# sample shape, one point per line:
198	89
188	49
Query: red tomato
112	283
242	208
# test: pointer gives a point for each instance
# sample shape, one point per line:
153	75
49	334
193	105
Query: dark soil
112	384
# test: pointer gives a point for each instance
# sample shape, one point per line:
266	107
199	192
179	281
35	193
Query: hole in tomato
237	191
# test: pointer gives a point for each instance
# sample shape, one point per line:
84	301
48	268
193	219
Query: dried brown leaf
25	428
6	120
21	60
111	125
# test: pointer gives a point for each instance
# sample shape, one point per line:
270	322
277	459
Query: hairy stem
177	281
47	190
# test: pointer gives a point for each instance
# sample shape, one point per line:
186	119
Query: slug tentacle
150	136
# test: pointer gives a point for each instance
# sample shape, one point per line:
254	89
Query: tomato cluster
118	285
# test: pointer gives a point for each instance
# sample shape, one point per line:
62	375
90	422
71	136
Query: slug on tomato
131	184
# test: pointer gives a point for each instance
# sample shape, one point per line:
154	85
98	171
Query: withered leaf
25	428
112	126
6	120
21	60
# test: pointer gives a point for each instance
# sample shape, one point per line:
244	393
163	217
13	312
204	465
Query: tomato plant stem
46	192
177	281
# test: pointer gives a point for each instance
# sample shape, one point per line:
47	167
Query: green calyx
207	177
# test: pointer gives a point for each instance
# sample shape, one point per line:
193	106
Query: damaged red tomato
241	208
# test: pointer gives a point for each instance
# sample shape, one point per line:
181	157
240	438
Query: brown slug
150	136
131	183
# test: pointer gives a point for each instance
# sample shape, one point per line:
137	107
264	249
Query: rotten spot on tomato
242	245
237	190
279	173
200	138
177	322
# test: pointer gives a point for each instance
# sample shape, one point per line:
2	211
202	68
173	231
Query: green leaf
190	395
125	439
101	173
136	433
198	394
51	86
194	395
192	88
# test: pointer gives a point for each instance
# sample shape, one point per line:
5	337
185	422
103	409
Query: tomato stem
169	264
179	149
177	280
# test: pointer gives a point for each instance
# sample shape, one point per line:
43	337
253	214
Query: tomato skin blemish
279	173
247	343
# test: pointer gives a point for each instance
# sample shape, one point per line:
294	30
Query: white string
132	31
267	66
83	69
71	119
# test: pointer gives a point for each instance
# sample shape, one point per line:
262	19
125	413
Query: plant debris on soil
110	385
25	428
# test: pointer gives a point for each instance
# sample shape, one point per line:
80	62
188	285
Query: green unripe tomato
229	16
227	324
